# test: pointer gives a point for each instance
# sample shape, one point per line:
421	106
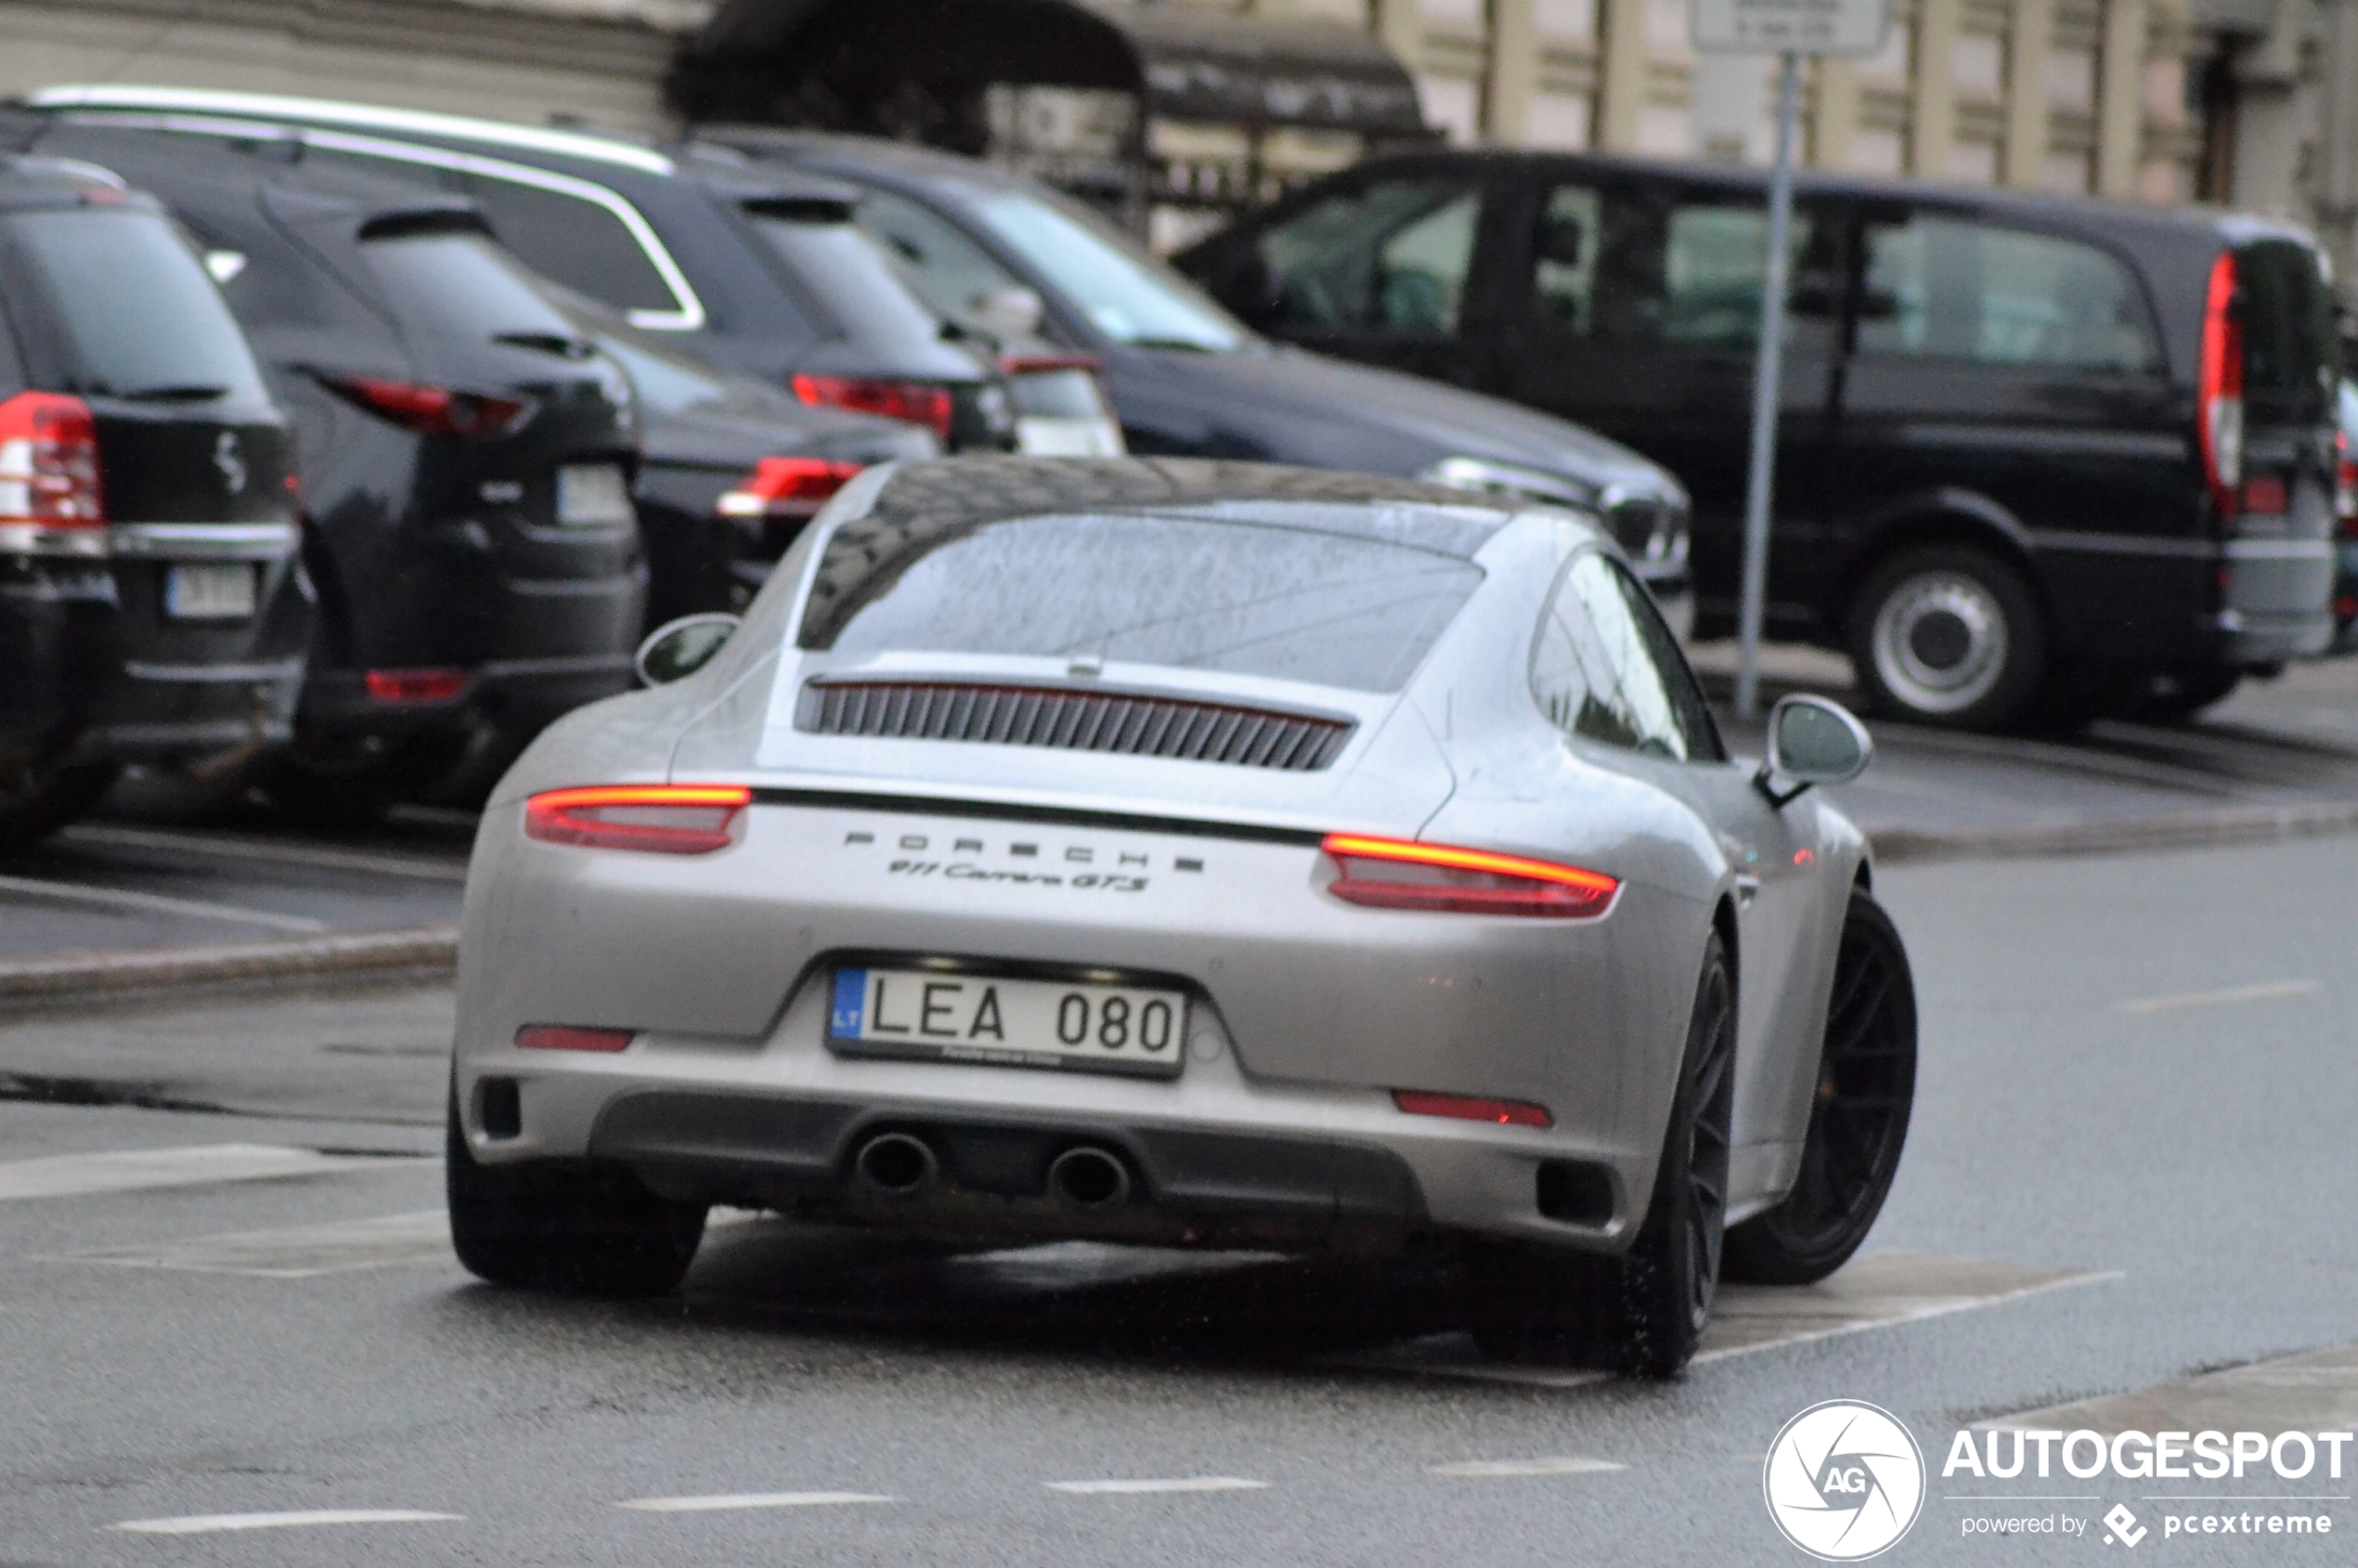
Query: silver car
1194	854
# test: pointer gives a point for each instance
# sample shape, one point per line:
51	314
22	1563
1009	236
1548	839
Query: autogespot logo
1843	1481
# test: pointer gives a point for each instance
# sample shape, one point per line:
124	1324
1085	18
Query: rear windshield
2291	360
459	284
1246	599
853	279
136	315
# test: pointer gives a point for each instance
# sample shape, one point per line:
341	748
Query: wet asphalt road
2129	1164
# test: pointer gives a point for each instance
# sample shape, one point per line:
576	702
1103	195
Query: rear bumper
2276	600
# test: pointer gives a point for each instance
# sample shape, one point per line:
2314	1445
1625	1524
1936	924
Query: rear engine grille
1072	721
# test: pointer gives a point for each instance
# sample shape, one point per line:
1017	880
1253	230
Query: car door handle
1748	889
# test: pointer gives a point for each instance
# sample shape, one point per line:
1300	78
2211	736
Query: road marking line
2314	1391
1134	1488
209	1523
74	1175
1477	1470
234	849
2267	991
297	1253
751	1499
156	904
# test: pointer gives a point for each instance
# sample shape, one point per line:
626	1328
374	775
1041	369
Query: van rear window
133	309
2291	358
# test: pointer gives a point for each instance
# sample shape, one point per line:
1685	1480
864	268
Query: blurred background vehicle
759	270
467	459
1185	377
729	468
2038	461
152	608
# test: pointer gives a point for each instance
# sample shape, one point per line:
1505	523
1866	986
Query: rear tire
565	1227
1643	1312
1949	636
37	799
1858	1116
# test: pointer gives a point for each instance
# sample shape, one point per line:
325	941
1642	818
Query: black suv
467	457
2036	457
759	271
151	605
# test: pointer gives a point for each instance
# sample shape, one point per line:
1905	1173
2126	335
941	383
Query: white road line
1134	1488
296	1253
2267	991
74	1175
751	1499
229	847
155	904
211	1523
1483	1469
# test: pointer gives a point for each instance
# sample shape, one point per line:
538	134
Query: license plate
1005	1022
209	593
592	495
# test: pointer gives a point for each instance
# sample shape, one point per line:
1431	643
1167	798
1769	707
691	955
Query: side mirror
1811	741
678	649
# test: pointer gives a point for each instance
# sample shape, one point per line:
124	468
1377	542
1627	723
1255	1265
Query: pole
1762	477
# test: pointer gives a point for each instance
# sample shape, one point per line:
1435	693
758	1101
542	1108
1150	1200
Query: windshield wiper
188	392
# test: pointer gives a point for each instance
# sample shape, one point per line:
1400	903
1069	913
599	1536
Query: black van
2037	458
152	607
467	459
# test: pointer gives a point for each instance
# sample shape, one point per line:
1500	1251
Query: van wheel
37	799
1642	1312
1947	635
565	1227
1858	1116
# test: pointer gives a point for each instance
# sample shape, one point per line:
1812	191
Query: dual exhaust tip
903	1165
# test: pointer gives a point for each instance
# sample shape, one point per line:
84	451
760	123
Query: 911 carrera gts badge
1031	862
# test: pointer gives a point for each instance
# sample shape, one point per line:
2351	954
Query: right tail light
786	487
667	819
2345	488
434	411
1405	874
2221	387
915	402
51	500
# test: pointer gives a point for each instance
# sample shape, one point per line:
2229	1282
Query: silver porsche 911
1193	854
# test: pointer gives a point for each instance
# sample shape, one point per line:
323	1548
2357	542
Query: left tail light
916	402
1402	874
50	494
786	487
666	819
2220	411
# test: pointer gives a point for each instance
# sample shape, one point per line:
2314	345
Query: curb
2255	825
425	951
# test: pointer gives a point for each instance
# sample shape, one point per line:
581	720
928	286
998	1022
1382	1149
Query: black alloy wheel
1858	1114
1643	1312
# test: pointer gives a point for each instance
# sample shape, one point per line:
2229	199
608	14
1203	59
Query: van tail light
667	819
51	499
1466	1107
566	1037
1401	874
2265	494
786	487
2221	387
916	402
434	411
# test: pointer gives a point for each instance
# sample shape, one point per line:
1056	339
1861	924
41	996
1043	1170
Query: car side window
1651	266
579	243
1391	257
1605	668
1949	288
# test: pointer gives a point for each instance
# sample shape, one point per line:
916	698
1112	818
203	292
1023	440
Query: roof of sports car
927	504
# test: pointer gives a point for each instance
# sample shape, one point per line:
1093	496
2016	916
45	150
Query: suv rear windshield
459	283
1247	599
2290	354
136	314
852	279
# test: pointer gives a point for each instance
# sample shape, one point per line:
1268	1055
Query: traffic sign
1789	27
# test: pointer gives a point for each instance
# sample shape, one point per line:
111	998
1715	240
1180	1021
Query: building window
1973	162
1452	106
1977	66
1878	150
2068	174
2071	81
1558	121
1571	20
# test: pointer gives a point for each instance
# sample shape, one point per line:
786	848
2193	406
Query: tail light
916	402
564	1037
49	475
2221	415
786	487
2345	488
434	411
1401	874
2265	494
667	819
1506	1113
414	685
